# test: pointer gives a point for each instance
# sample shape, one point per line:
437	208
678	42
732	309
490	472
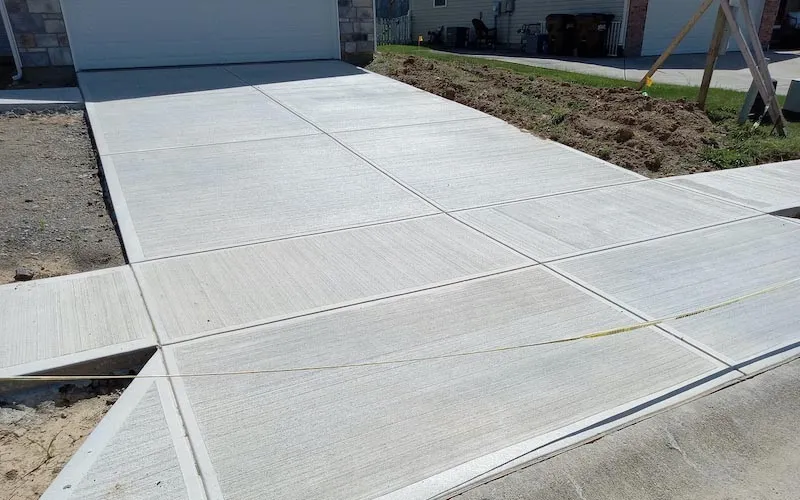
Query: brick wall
768	18
637	16
40	32
357	30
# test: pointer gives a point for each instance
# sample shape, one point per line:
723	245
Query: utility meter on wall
497	7
510	5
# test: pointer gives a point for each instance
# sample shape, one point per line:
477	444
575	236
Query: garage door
666	18
140	33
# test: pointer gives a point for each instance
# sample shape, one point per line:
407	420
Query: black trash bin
456	36
591	33
561	33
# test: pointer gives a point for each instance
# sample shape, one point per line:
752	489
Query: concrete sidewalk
680	69
45	99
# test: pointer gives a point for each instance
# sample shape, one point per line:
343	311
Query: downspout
623	35
12	41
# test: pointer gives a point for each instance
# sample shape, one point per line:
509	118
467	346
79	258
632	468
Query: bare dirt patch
38	436
654	137
53	217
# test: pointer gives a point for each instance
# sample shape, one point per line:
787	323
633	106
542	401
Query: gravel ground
53	217
39	434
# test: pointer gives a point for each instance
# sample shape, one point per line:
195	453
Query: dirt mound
652	136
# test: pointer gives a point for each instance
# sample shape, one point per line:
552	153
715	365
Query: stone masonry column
357	31
40	32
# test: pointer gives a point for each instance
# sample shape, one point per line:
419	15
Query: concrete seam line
588	336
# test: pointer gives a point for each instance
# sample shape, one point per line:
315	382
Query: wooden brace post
713	53
676	41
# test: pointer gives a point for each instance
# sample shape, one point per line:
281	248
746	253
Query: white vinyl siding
138	33
425	17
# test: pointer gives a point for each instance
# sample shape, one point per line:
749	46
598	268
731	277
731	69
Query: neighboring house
388	9
647	26
100	34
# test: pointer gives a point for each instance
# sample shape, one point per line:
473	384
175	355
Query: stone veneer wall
357	30
40	32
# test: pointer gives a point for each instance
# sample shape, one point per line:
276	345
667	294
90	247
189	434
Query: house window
440	3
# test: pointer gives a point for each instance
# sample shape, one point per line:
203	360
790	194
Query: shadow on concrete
111	85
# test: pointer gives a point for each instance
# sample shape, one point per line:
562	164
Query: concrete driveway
680	69
284	217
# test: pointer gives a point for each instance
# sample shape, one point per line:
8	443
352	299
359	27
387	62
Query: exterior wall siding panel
425	17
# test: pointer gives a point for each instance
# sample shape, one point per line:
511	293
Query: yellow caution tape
595	335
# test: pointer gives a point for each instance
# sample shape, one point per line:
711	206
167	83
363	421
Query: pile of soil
53	216
39	436
654	137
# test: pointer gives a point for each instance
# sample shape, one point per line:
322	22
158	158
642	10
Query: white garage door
665	18
139	33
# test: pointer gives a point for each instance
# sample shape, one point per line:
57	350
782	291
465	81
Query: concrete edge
130	240
80	465
180	437
481	470
45	99
193	434
66	277
101	360
674	181
775	356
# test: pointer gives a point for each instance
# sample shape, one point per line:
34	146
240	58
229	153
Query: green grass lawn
744	145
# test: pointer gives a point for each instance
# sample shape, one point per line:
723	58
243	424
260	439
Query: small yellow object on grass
648	82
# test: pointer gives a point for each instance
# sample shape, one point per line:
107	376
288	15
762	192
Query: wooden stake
764	88
676	41
761	62
713	53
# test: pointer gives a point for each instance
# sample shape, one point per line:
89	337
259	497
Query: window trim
439	6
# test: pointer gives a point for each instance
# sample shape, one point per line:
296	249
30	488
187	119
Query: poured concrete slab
682	273
768	188
142	110
138	450
179	201
474	163
363	432
233	288
51	99
66	320
560	226
372	102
